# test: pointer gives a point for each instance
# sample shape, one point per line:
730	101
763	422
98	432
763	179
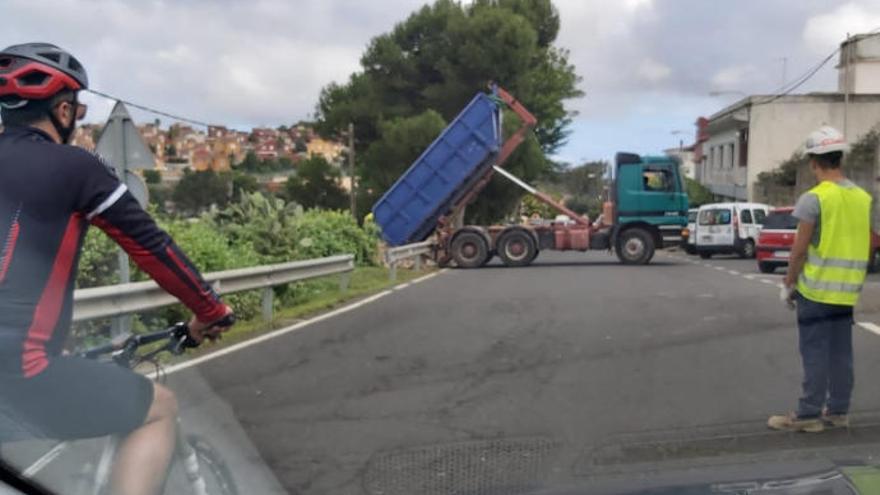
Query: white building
685	156
757	133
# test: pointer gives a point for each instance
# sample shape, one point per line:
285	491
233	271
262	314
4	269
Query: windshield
419	247
780	221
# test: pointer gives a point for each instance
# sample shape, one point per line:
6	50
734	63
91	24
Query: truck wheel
469	250
705	255
766	267
516	248
635	247
747	249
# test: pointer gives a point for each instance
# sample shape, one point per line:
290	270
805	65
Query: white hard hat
824	140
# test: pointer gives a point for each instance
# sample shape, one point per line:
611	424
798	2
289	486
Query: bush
327	233
256	230
99	262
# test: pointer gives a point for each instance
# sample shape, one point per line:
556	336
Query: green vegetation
152	176
316	185
418	77
253	164
255	230
698	194
197	191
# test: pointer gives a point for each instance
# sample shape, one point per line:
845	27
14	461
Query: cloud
823	32
653	71
733	77
264	62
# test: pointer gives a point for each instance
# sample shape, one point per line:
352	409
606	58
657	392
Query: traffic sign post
120	145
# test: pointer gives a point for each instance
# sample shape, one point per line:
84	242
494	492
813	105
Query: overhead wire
806	76
149	109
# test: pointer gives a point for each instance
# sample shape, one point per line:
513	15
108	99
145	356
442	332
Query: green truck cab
649	206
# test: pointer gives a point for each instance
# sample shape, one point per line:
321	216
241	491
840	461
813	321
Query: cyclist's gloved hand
199	330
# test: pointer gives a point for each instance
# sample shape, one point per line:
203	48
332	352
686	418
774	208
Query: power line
148	109
799	81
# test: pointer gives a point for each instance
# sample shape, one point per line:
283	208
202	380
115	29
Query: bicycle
192	453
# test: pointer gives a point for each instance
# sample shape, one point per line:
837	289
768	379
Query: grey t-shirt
807	209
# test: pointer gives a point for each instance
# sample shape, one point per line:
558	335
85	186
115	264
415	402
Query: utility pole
351	175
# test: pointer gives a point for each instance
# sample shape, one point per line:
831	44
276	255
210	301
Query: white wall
722	167
778	129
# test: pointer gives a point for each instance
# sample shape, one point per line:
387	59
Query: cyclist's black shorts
75	398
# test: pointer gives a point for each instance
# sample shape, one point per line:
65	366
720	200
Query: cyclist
49	194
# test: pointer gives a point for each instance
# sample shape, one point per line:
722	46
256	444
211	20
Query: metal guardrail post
392	272
418	265
344	281
268	303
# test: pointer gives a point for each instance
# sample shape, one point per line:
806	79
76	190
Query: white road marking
749	277
719	268
733	272
401	286
765	281
277	333
292	328
871	327
426	277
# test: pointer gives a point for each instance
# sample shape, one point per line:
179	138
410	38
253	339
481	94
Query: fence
119	300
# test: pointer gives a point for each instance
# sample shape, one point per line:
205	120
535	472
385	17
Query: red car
777	236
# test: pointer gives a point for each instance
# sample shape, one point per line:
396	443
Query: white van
691	246
729	228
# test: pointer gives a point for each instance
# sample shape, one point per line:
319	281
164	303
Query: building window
744	148
729	155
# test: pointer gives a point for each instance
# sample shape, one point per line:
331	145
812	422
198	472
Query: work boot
835	420
790	422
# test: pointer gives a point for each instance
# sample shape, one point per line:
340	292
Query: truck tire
747	249
469	250
705	255
516	248
635	247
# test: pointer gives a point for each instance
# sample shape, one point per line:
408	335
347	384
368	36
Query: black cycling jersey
49	194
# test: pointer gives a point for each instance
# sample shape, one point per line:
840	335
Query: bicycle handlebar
177	335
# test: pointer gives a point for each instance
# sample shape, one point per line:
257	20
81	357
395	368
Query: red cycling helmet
36	71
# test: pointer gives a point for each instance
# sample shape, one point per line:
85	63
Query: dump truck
645	209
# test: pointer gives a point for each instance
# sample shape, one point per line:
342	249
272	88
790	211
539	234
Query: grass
321	296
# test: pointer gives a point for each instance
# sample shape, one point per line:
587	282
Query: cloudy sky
648	66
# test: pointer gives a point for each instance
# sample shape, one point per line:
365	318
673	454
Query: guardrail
124	299
400	253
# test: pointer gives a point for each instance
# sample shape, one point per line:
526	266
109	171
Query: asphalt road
574	371
571	370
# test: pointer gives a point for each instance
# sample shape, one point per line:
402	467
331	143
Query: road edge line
275	333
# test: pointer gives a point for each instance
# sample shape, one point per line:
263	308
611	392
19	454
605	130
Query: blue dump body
408	212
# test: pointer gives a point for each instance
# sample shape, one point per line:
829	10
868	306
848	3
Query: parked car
729	228
690	246
777	237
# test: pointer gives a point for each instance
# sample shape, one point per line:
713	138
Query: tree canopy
316	185
416	78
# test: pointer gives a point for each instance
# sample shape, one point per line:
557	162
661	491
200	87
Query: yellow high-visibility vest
835	269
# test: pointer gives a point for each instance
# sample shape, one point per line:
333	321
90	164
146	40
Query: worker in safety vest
826	272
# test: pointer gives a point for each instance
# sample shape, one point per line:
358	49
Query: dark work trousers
825	332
